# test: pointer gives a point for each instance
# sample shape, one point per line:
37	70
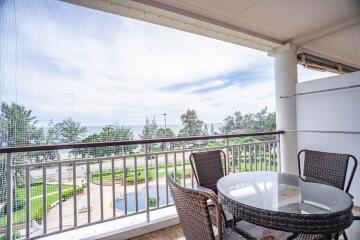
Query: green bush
70	192
16	235
17	205
152	202
39	215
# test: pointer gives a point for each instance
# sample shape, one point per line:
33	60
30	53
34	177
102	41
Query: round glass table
286	202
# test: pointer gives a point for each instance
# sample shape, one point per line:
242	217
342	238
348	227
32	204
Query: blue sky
63	60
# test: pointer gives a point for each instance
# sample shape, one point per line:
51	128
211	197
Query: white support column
285	85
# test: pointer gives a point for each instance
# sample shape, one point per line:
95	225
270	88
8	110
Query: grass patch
36	202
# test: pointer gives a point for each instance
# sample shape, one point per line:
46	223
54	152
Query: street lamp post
164	114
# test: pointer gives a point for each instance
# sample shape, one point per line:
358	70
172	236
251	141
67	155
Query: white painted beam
179	19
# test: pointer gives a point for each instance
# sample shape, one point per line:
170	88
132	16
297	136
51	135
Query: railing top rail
128	142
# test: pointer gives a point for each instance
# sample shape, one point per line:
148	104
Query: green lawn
130	173
36	207
253	165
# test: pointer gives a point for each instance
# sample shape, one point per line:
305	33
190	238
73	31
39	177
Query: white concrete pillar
285	85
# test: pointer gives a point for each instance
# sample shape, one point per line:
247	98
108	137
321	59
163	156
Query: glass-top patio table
286	202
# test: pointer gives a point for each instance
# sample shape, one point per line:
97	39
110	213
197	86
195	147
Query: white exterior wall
331	111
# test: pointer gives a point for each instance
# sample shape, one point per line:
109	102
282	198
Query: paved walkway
68	205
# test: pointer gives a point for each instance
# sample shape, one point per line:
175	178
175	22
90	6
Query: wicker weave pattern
296	223
208	168
253	232
327	167
193	212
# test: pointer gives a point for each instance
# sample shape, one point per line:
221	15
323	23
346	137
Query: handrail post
147	182
227	167
9	202
278	153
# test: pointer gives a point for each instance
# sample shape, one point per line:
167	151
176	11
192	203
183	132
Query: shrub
16	235
39	215
17	205
152	202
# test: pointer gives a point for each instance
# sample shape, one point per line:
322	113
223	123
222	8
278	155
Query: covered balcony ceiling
328	29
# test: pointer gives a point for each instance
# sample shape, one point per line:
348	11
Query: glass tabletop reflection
283	193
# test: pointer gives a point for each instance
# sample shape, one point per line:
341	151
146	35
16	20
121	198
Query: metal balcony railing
77	190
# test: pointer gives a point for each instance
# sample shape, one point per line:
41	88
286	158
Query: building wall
334	111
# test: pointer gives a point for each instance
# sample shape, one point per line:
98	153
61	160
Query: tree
229	125
192	125
212	130
149	129
165	133
258	122
206	131
51	137
17	128
69	131
160	133
108	133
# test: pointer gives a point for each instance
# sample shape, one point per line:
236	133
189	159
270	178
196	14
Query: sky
62	60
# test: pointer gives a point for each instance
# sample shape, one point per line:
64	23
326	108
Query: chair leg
345	237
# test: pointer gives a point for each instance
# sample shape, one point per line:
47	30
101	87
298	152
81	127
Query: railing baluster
166	173
60	196
267	157
183	166
74	196
273	157
245	158
227	167
239	157
88	191
44	189
9	203
253	158
192	175
157	179
261	153
101	191
136	185
113	186
124	185
278	155
175	177
28	201
233	159
147	182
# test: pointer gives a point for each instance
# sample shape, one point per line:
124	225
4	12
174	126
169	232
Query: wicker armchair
193	210
208	167
328	167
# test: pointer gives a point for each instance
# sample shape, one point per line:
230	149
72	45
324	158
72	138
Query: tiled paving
175	232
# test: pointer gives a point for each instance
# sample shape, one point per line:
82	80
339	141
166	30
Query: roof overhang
327	29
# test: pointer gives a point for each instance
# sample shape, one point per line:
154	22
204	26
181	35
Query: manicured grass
130	173
36	202
37	190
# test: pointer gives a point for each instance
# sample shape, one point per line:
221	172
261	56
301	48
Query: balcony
87	193
79	191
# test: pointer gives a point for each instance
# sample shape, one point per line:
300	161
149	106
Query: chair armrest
208	191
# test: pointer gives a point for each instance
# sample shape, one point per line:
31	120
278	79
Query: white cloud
101	68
